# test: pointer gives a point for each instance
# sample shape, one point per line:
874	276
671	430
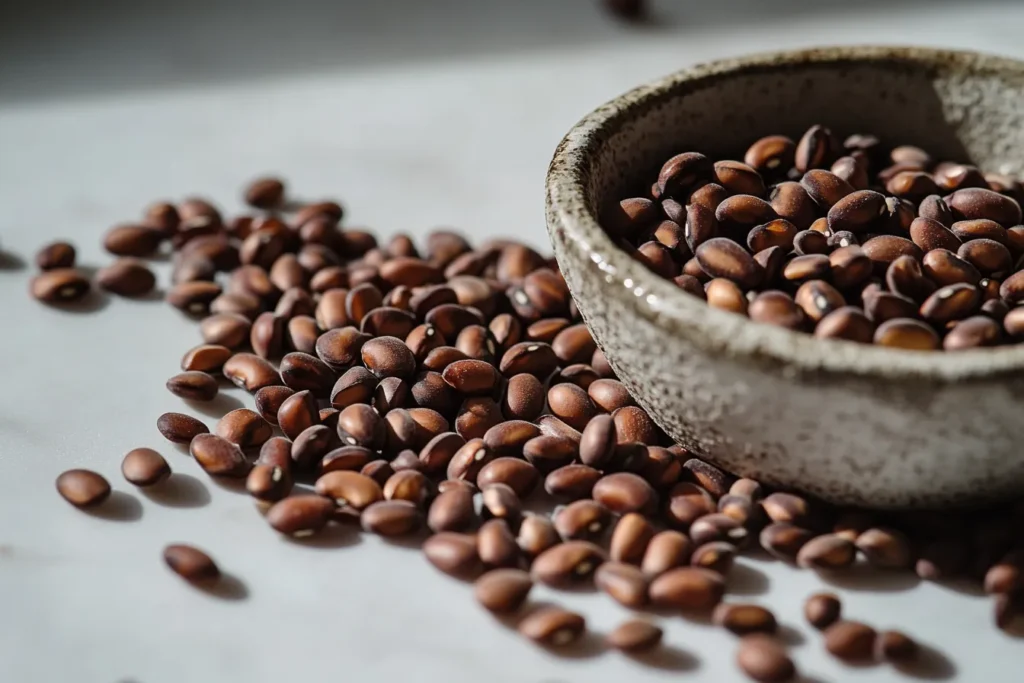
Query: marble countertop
414	120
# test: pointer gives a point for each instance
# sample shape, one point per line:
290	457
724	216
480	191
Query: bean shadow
179	491
331	537
746	580
862	577
119	507
588	646
412	541
667	658
930	665
232	484
11	261
229	588
963	586
790	636
218	407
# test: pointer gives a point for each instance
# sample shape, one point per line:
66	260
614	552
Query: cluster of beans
439	392
843	239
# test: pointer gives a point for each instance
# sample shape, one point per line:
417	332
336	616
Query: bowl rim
720	332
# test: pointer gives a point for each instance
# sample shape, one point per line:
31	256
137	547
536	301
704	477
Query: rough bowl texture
851	423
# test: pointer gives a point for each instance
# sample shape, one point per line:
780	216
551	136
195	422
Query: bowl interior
958	106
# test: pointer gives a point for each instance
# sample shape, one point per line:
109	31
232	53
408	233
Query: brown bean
454	554
634	635
625	583
687	588
764	659
720	257
977	202
774	307
630	538
582	520
828	552
300	516
268	483
180	428
132	240
634	425
452	511
126	277
83	488
191	564
346	458
726	295
952	302
850	640
350	489
571	481
624	492
219	457
250	372
682	172
743	619
991	258
857	211
145	467
773	153
666	550
496	544
469	460
519	474
245	428
552	626
194	386
524	398
848	323
391	518
784	540
60	285
56	255
822	610
503	591
534	358
885	548
568	563
813	149
718	556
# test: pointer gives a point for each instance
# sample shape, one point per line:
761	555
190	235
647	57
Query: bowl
853	424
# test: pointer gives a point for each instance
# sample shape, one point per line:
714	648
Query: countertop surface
443	126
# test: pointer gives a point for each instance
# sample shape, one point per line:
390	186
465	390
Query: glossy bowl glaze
854	424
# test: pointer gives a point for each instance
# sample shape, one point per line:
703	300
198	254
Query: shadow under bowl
854	424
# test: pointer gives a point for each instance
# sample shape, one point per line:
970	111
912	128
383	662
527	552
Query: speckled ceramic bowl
851	423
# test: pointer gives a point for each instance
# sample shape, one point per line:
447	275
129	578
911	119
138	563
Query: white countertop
452	125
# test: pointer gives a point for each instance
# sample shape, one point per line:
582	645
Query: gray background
416	115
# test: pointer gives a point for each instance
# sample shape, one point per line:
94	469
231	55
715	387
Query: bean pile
435	392
843	239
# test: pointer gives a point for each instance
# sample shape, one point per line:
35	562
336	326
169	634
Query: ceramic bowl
851	423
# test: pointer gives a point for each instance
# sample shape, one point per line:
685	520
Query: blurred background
53	48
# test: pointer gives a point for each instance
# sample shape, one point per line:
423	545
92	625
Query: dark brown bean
688	589
303	372
249	371
630	538
219	457
685	503
503	591
312	446
300	516
126	277
388	357
519	474
244	428
454	554
774	307
452	510
582	520
784	540
132	240
625	583
568	563
848	323
991	258
552	626
634	635
145	467
666	550
682	172
907	333
60	285
952	302
773	153
857	211
822	610
827	552
56	255
885	548
723	258
743	619
571	482
718	556
268	483
391	518
536	534
850	640
469	460
194	386
347	458
624	492
83	488
496	544
191	564
361	425
813	149
976	202
180	428
894	646
264	193
764	659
